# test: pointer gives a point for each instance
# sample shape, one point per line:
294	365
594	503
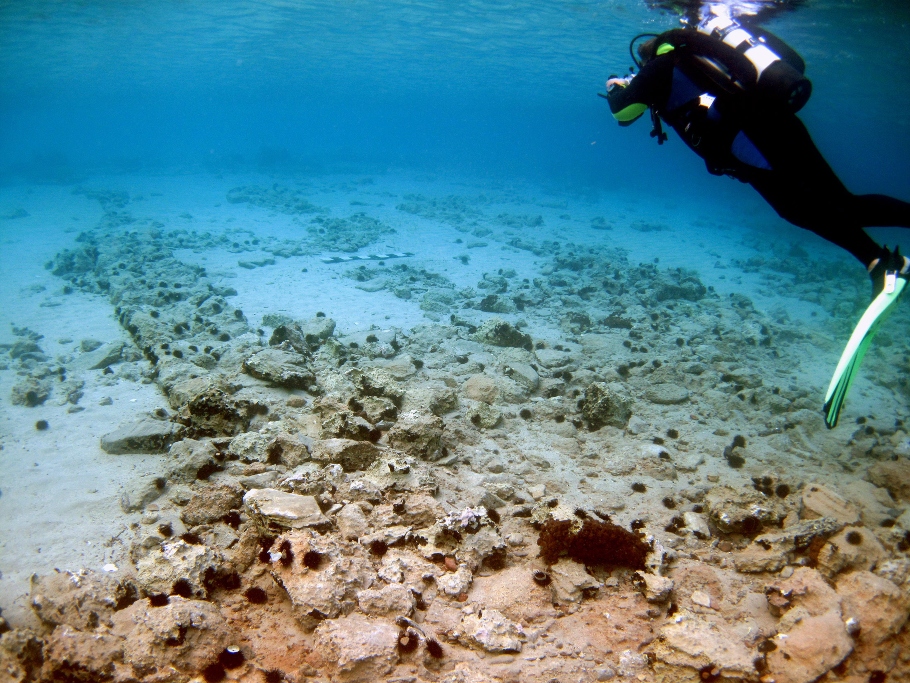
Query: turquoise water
486	88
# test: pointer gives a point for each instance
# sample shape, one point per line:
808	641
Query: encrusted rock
30	392
498	332
655	588
189	459
490	630
483	415
352	523
146	435
274	510
320	576
350	454
303	337
523	374
570	582
604	404
480	388
743	511
417	433
183	635
820	501
852	548
376	382
346	425
216	412
212	504
141	491
879	610
666	394
772	551
391	600
893	475
701	643
456	583
82	600
177	567
360	648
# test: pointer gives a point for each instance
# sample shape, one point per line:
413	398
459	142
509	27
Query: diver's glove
889	264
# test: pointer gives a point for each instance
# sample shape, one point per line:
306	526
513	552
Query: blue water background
500	90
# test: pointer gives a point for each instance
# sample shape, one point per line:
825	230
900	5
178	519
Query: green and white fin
859	343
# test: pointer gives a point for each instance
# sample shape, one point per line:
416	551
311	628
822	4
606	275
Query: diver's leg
821	210
880	211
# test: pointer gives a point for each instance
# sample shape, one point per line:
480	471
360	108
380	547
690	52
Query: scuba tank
778	70
745	61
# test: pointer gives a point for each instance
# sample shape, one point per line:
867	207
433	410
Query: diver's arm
630	97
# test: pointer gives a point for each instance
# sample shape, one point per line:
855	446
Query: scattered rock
880	610
811	648
771	552
498	332
351	455
852	548
392	600
656	589
146	435
666	394
190	459
893	475
483	415
141	491
570	582
274	510
417	433
177	568
523	374
282	368
212	504
820	501
743	511
480	388
606	405
359	648
352	523
491	631
82	600
99	357
690	643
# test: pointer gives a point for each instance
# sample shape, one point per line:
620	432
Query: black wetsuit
768	148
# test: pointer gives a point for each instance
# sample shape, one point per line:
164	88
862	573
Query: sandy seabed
342	470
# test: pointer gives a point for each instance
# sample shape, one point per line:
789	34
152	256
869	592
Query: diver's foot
888	262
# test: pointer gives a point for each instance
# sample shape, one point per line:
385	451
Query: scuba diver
731	91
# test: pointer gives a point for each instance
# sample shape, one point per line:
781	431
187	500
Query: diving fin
859	343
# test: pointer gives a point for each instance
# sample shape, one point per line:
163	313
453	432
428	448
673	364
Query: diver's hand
614	81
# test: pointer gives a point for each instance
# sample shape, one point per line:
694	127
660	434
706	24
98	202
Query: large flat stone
284	368
146	435
276	510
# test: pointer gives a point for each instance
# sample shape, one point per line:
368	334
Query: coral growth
594	543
